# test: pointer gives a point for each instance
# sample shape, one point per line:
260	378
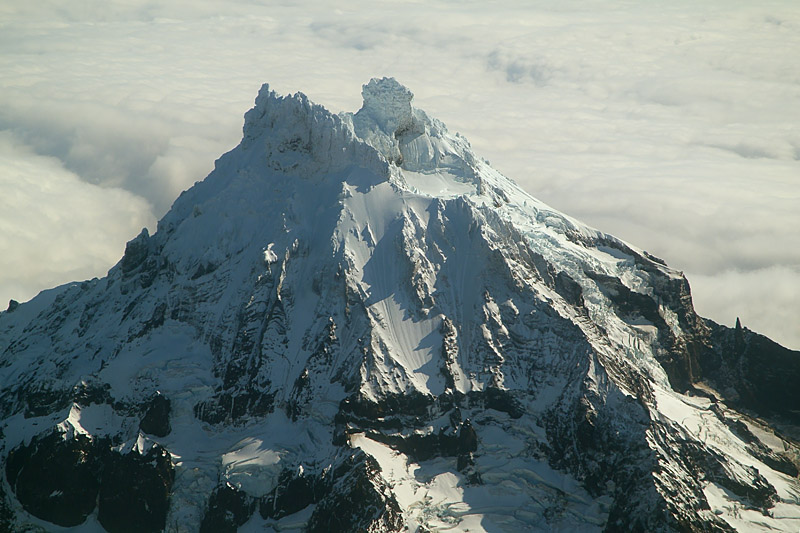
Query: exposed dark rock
737	426
676	357
228	508
61	480
85	394
402	411
142	264
12	306
467	438
500	400
88	316
606	449
293	406
55	479
156	418
349	494
628	304
156	320
359	500
654	259
466	444
753	372
413	404
136	251
419	447
755	447
464	461
394	411
295	491
6	513
459	442
569	289
203	269
135	491
777	462
743	481
43	401
234	405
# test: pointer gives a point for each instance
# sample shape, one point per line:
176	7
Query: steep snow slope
354	323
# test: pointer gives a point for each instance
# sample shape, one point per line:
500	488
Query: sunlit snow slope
356	324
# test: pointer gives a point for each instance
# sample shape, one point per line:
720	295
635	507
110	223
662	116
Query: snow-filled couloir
356	324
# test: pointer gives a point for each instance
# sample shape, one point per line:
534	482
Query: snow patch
252	467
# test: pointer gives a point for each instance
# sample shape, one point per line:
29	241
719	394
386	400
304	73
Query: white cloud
763	299
55	228
672	126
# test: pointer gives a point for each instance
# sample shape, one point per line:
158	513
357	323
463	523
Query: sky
673	125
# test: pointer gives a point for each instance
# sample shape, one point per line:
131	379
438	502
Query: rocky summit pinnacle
388	103
355	324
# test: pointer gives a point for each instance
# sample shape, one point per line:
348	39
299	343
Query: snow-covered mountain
356	324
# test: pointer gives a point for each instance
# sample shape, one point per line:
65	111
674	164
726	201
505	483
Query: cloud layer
54	227
671	126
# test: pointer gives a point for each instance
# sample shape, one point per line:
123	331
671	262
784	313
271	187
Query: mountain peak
353	323
388	103
407	136
292	135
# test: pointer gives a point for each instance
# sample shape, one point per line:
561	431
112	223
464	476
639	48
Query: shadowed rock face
61	480
156	418
228	509
359	500
356	324
55	479
348	495
7	518
135	491
753	372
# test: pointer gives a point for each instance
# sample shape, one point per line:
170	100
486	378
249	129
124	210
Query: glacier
354	323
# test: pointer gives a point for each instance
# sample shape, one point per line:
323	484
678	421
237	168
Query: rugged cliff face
355	324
